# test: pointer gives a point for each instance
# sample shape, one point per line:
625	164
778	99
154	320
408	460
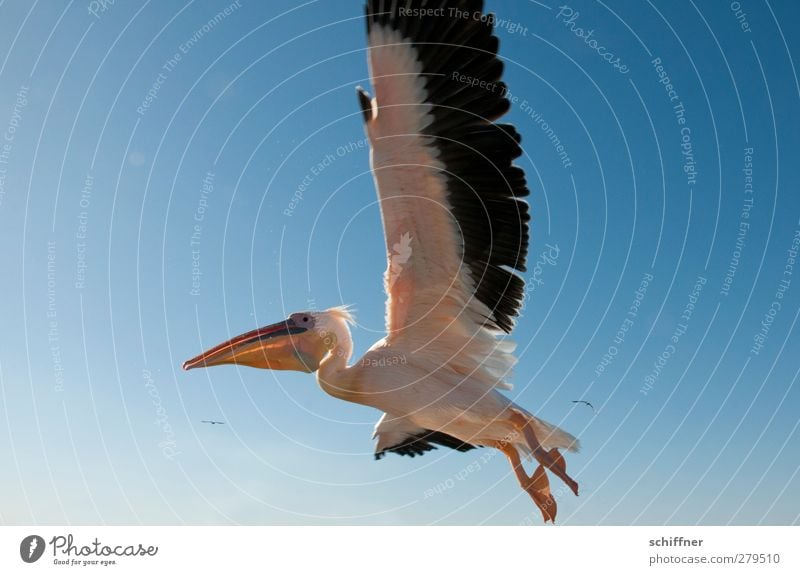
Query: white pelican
456	233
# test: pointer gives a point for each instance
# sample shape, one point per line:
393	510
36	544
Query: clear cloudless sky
175	173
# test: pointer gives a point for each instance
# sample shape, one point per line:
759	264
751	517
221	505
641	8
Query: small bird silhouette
586	403
213	422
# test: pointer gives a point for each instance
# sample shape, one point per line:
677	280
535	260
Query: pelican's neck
341	347
333	367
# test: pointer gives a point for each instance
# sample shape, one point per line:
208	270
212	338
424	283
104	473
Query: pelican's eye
305	320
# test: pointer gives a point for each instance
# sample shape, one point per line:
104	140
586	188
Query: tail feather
550	436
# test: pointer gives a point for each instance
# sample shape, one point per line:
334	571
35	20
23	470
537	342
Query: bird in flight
585	403
213	422
456	232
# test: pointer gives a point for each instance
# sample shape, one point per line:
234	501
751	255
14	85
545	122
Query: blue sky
153	204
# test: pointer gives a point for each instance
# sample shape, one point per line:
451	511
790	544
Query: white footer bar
402	550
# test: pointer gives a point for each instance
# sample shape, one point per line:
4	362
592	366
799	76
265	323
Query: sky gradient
175	173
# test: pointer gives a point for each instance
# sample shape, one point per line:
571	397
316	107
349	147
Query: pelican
456	231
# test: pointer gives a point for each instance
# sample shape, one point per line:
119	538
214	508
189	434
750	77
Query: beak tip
187	365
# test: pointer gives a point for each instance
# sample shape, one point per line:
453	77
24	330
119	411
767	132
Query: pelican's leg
552	460
537	485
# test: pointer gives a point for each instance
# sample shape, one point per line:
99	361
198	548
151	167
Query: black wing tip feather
421	443
365	103
484	187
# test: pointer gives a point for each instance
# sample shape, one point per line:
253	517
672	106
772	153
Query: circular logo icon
31	548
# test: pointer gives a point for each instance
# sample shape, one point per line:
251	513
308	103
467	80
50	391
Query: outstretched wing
456	227
455	223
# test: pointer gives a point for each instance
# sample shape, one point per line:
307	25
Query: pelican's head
298	343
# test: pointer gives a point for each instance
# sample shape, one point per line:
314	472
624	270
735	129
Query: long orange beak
283	345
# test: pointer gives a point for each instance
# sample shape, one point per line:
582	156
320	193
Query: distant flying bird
585	403
456	231
213	422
